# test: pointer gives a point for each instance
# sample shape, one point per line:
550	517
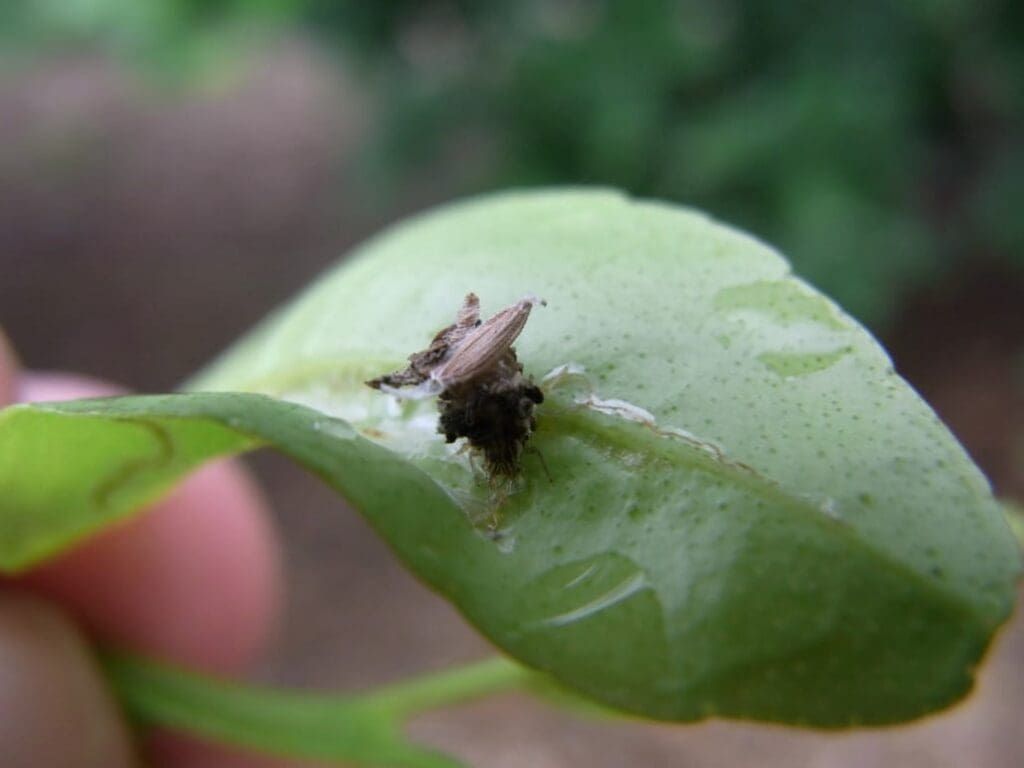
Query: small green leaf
749	514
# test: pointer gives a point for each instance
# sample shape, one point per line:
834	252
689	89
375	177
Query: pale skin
195	580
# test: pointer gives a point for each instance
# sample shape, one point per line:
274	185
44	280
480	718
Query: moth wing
484	346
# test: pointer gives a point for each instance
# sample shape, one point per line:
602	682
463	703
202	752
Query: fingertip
56	709
174	750
194	580
8	371
50	386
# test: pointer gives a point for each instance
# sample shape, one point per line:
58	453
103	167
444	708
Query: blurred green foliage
879	144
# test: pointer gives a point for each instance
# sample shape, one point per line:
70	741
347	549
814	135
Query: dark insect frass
482	393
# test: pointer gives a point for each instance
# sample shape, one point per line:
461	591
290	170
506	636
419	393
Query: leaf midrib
636	438
607	431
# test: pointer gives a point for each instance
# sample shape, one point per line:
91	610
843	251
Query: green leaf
749	514
305	726
365	730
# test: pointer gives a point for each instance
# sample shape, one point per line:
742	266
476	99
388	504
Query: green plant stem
450	686
362	729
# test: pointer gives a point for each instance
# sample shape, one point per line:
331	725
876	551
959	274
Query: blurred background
171	169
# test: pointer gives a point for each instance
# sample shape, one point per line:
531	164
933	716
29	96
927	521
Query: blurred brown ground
142	230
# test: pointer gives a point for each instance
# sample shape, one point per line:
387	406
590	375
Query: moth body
483	395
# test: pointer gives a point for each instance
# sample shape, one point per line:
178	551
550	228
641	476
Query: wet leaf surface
745	512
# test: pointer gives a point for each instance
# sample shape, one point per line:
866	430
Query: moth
482	394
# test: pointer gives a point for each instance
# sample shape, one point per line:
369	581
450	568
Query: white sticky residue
393	407
506	543
827	505
830	508
634	413
615	407
564	371
686	436
623	409
421	391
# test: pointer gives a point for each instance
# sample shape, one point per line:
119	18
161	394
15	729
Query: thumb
54	707
8	371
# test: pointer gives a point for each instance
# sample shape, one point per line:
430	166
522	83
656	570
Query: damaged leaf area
746	513
482	393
